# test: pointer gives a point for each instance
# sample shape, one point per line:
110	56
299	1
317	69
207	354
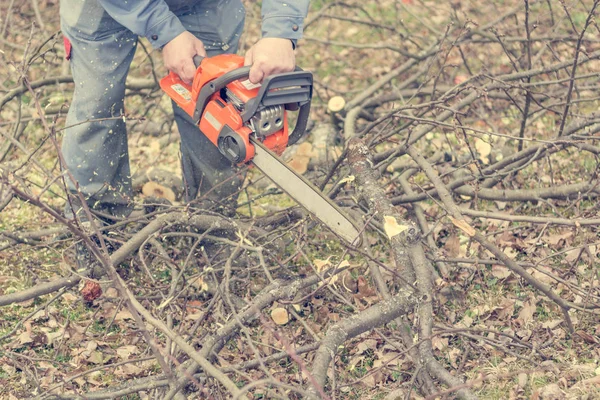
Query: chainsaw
248	124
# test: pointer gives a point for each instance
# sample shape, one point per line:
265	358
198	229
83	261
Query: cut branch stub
336	104
154	189
159	183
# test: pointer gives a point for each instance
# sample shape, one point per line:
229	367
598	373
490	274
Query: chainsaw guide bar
304	193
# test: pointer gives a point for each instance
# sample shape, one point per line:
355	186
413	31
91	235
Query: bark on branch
377	315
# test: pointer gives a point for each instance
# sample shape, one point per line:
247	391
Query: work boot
84	258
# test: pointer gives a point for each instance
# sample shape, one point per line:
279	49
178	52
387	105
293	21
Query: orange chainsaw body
245	121
218	117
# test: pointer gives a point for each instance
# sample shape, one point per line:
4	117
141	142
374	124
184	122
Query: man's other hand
270	56
178	55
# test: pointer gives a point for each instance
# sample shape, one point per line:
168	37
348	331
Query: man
102	38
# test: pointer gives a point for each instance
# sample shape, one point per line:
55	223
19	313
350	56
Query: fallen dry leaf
349	178
364	289
466	322
194	316
91	291
551	392
555	238
522	380
69	298
500	271
594	382
25	338
453	355
200	284
392	227
131	369
354	361
193	306
369	380
463	226
541	276
552	324
369	344
322	264
439	343
125	351
348	282
52	336
483	148
95	357
452	245
111	293
123	315
526	313
587	337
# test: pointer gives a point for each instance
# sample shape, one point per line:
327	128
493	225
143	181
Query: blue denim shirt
154	19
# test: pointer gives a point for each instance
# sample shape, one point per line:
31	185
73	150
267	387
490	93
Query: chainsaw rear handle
292	88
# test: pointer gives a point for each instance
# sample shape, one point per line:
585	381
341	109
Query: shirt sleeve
284	19
149	18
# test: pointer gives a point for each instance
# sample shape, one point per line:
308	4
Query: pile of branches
421	156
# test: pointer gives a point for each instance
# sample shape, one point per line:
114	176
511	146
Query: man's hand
270	56
178	55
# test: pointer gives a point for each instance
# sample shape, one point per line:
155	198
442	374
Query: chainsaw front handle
294	89
214	86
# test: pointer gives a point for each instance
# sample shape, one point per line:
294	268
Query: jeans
94	146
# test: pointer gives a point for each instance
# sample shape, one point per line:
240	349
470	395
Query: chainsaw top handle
292	89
